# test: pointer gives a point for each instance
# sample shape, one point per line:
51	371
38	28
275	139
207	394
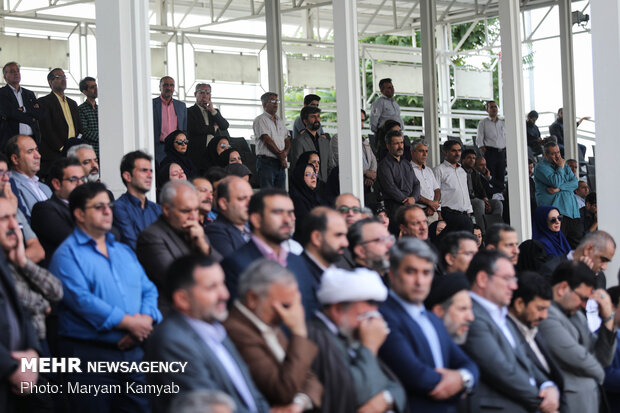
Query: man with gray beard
87	157
369	243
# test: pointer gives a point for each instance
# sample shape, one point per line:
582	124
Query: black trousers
496	163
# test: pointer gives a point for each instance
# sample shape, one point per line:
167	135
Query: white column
274	50
443	79
568	79
606	61
516	144
124	71
428	19
348	97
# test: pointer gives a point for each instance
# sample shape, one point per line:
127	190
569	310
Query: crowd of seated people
423	300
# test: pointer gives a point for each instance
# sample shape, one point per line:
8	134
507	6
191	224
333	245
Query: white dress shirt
428	182
491	134
265	125
453	185
24	129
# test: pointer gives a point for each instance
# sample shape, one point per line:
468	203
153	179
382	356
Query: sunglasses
345	209
556	219
183	142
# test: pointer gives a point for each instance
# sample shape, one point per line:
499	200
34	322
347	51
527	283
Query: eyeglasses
5	173
311	175
581	297
345	209
102	206
508	278
556	219
274	100
384	239
205	91
60	77
183	142
74	179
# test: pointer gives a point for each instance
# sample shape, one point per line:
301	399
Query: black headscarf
532	255
304	198
173	156
212	156
224	157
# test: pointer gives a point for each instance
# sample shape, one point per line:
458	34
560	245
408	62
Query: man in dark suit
192	332
19	110
311	140
60	120
509	381
229	231
272	221
168	115
204	122
176	233
529	307
323	234
51	220
432	368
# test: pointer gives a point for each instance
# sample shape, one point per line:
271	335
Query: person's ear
181	300
126	176
56	184
439	311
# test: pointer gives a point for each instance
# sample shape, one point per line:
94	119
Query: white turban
340	286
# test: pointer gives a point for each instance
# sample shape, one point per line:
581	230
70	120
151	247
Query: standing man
385	107
272	144
452	180
399	184
557	129
310	139
133	212
432	368
518	386
204	122
19	110
89	112
430	194
491	139
310	100
60	120
168	115
555	183
109	305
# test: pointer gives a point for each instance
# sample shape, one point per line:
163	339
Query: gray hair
598	239
169	190
201	401
198	87
410	246
72	152
260	275
265	97
418	142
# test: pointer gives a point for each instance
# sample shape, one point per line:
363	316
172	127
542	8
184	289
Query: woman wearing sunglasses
303	190
546	229
175	146
215	147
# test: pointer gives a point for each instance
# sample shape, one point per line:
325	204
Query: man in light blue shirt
109	305
555	183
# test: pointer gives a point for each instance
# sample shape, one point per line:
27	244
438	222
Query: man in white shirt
452	180
430	193
491	140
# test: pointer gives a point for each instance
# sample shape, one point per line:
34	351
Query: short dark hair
447	145
550	143
84	83
180	274
50	75
486	105
494	233
468	152
223	189
591	198
485	260
384	81
451	243
532	285
4	159
257	202
215	173
307	111
354	235
128	163
83	193
12	148
574	273
391	134
402	211
533	114
57	170
311	98
316	220
476	226
4	68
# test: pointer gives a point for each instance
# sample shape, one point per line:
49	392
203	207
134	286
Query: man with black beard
370	242
323	234
310	140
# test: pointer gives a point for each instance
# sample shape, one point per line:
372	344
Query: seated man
86	155
109	305
192	333
229	231
269	300
205	196
589	214
503	238
133	212
412	222
611	385
456	251
581	193
369	244
581	355
51	220
431	367
175	233
349	332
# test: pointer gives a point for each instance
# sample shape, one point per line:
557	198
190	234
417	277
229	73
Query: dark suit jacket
158	246
11	117
304	143
29	339
407	352
54	129
175	340
198	130
225	235
52	222
235	264
181	111
278	382
505	371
